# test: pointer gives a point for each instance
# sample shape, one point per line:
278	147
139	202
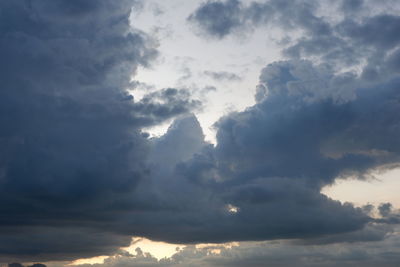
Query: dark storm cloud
212	17
389	215
184	137
219	18
385	209
74	239
352	5
370	233
350	40
164	104
20	265
381	31
306	119
71	149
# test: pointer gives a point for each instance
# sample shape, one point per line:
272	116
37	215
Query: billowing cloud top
78	178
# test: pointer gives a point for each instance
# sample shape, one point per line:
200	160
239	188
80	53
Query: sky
199	133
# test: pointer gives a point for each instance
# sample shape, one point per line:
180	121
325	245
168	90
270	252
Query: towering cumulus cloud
78	178
71	148
315	120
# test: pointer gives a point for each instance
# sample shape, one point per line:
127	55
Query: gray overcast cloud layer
78	178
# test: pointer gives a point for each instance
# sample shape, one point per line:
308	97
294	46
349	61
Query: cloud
20	265
237	16
72	152
165	104
277	253
222	75
352	38
352	5
384	28
184	137
218	18
272	160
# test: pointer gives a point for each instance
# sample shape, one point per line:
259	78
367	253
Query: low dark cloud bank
78	178
278	253
20	265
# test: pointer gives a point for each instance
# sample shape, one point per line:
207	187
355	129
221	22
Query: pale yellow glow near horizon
225	245
156	248
384	188
95	260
